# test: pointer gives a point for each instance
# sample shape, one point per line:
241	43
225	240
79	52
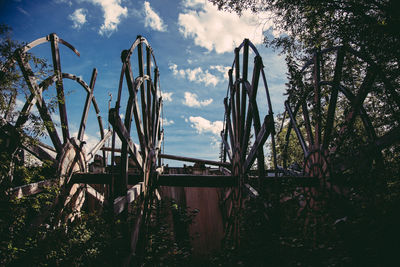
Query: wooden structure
135	171
67	154
331	110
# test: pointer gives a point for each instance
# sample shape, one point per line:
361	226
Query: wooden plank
31	189
317	98
226	146
296	129
228	122
232	109
98	146
133	88
251	190
103	178
88	101
132	194
305	181
180	158
123	134
93	192
39	152
186	180
40	103
334	95
307	123
24	114
35	147
149	95
59	86
244	93
259	142
142	94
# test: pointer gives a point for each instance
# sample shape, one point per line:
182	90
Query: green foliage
168	240
12	83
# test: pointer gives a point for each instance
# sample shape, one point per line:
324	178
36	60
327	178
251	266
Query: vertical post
59	85
317	97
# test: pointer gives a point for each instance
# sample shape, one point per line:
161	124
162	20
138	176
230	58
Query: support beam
209	162
31	189
102	178
93	192
132	194
262	136
123	134
186	180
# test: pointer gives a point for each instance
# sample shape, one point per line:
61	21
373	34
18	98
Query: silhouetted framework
326	108
241	116
333	112
67	154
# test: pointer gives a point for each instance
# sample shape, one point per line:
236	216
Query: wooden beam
93	192
209	162
259	142
98	146
40	103
226	145
186	180
123	134
296	129
31	189
132	194
103	178
59	86
88	101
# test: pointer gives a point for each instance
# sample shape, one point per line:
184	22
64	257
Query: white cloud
167	96
191	101
222	69
195	75
152	19
23	11
78	18
220	30
167	122
205	126
113	12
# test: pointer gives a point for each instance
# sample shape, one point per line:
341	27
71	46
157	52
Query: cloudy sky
193	44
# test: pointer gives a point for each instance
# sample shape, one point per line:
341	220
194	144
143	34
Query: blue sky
193	45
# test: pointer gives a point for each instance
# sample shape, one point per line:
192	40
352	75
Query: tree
367	24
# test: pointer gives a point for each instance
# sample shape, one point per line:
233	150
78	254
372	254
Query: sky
193	45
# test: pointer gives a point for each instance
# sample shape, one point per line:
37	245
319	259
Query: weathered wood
228	122
24	114
103	178
39	152
123	134
306	118
31	189
40	103
186	180
337	76
88	101
59	85
180	158
142	94
293	124
133	88
317	98
226	146
132	194
98	146
94	193
259	142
